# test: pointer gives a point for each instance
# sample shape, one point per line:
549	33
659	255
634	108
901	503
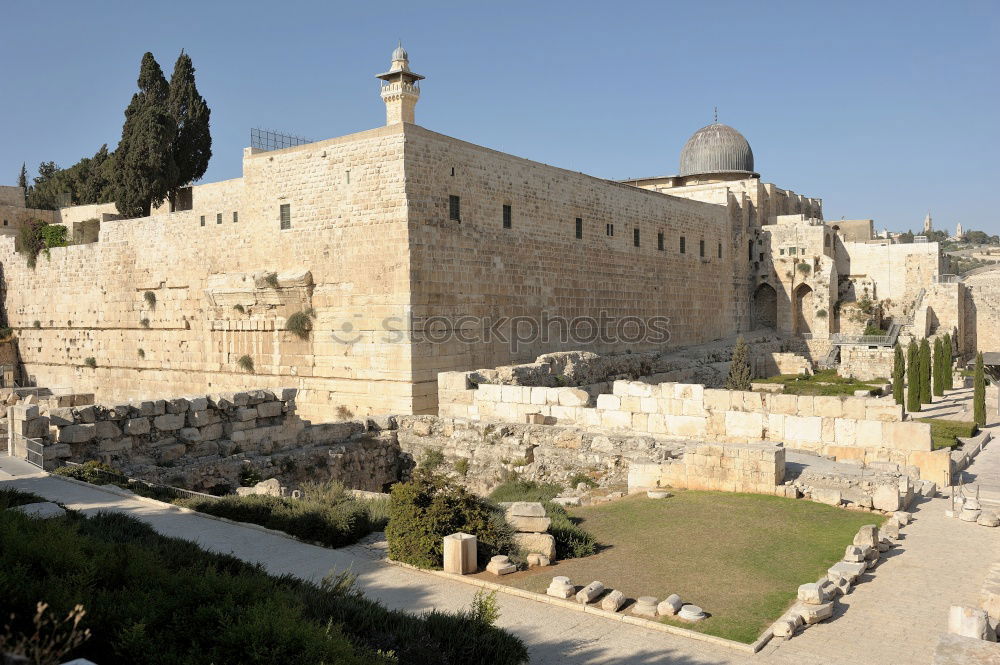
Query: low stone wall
771	364
858	428
866	364
484	453
207	441
757	468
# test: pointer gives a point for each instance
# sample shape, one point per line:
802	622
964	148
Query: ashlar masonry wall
855	428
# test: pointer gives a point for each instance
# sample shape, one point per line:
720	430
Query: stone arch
803	309
765	307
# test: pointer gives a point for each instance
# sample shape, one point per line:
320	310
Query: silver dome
716	148
400	53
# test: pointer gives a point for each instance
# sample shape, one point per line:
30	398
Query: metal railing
126	482
887	339
947	279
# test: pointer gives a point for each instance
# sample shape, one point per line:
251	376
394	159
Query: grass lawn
740	557
943	432
823	382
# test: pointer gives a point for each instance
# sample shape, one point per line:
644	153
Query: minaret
400	90
928	226
959	234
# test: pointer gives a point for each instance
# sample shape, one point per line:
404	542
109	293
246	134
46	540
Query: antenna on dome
716	114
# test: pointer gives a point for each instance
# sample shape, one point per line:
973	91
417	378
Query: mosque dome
716	148
399	53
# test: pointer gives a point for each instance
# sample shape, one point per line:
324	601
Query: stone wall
348	233
757	468
899	271
869	429
983	311
866	364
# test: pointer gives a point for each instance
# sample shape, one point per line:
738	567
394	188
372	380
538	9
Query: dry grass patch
741	557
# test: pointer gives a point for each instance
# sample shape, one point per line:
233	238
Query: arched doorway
765	307
803	309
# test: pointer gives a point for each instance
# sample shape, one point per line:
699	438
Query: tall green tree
145	170
979	392
740	374
22	178
193	140
898	375
912	378
949	354
937	380
925	372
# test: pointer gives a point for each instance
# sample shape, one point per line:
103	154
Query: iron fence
266	139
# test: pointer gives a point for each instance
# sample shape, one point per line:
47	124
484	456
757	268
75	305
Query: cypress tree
912	378
739	370
979	392
925	372
144	166
898	374
949	353
22	179
938	377
193	140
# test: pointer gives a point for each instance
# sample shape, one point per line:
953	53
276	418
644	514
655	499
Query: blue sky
883	109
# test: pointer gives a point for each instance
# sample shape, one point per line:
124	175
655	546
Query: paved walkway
894	618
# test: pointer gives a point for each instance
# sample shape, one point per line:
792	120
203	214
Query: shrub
6	332
804	268
461	466
344	413
571	541
144	323
150	298
245	363
578	478
157	600
821	314
740	374
300	323
239	308
36	323
38	236
90	362
428	508
249	476
431	460
271	279
89	472
142	353
10	497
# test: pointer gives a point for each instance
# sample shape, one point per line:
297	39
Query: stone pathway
894	618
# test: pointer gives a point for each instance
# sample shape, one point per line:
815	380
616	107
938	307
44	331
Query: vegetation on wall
300	323
38	237
90	362
271	279
245	363
150	298
144	322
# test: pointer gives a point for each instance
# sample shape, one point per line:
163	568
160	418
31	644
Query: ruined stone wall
899	271
757	468
982	315
538	268
866	364
344	257
942	310
871	429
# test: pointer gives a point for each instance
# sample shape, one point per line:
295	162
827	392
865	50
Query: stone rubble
560	587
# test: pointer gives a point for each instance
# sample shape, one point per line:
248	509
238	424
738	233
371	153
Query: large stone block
745	425
81	433
137	426
169	422
529	524
537	543
907	436
106	429
969	622
886	497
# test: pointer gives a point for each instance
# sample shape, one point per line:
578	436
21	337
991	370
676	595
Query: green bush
428	508
332	524
461	466
572	541
249	476
10	498
432	459
150	298
90	362
158	601
245	363
88	472
300	323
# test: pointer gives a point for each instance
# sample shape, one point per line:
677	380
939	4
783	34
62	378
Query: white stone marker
460	554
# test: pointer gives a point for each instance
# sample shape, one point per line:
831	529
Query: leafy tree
913	378
979	392
739	370
938	376
87	181
145	170
193	141
949	354
898	374
38	236
925	372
